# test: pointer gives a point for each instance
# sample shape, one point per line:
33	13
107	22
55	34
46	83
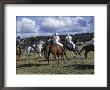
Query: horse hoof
74	57
65	63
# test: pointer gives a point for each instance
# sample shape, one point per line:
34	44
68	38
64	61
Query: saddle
69	45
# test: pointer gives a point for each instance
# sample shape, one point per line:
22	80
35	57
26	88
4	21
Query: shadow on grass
29	65
81	66
42	60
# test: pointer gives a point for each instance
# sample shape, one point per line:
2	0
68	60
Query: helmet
56	34
68	34
18	37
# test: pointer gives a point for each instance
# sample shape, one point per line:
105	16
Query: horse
22	44
56	50
18	53
87	48
69	47
36	49
19	49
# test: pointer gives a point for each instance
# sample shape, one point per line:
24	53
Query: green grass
40	66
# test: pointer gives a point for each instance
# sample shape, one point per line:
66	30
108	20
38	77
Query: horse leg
78	52
22	52
45	55
58	60
48	57
66	55
61	58
34	55
65	59
27	56
19	57
86	52
40	54
75	54
16	58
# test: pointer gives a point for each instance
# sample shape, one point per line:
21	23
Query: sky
27	26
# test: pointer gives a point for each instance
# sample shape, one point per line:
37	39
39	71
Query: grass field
40	66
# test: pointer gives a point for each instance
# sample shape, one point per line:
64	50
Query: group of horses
58	52
21	48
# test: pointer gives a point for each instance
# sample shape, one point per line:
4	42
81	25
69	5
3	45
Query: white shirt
56	39
69	38
18	41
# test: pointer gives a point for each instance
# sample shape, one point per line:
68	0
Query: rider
18	41
56	39
69	40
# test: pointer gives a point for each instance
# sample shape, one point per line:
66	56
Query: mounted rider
69	40
56	40
18	41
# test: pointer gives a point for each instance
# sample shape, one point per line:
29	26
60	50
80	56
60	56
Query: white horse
35	49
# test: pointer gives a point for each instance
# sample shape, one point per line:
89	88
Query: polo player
56	40
69	40
18	41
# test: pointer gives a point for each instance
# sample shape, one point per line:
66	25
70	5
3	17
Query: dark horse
87	48
69	47
56	50
18	53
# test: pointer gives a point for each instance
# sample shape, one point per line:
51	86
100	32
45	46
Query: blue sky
27	26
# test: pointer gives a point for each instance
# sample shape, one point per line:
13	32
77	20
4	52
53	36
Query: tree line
83	37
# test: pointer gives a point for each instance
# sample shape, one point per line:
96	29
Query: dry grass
40	66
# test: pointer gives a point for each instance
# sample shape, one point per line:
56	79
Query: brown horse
19	50
56	50
18	53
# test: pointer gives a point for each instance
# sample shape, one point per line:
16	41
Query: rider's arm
70	38
58	38
67	38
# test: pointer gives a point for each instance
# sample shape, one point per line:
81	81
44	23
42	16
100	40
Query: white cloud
51	22
62	23
27	26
